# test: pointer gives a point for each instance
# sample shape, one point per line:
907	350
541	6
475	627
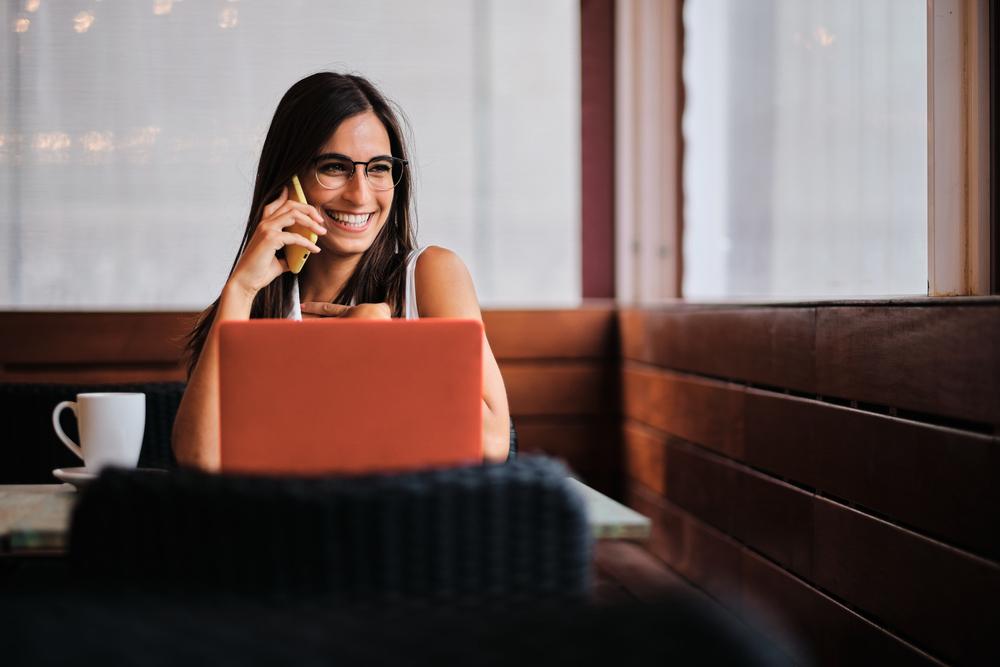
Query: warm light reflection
22	25
228	18
163	7
51	141
98	142
824	37
142	136
83	21
32	5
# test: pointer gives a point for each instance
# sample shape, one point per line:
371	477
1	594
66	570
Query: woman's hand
258	265
363	311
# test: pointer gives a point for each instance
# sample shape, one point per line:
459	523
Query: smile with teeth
349	220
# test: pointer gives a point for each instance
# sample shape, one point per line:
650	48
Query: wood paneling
590	446
581	333
771	346
645	455
804	621
942	598
704	485
703	411
938	480
944	361
913	585
93	374
939	359
572	388
30	339
776	519
702	555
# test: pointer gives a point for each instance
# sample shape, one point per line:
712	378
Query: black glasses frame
397	163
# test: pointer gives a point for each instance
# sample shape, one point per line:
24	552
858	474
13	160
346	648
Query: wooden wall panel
770	346
703	411
911	585
806	621
589	446
776	519
645	453
939	480
943	361
574	388
703	556
38	339
808	624
94	373
938	359
941	597
580	333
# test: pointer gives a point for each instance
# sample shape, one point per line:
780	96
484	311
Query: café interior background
130	131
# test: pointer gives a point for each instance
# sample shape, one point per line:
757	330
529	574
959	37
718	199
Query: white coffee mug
111	425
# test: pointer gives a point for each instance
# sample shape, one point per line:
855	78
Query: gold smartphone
295	255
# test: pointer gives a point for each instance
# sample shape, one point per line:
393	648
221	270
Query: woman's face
355	213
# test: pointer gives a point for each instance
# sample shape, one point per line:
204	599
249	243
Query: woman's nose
357	188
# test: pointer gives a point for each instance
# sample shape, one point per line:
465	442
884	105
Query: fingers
291	238
292	205
292	212
325	309
276	204
283	220
370	311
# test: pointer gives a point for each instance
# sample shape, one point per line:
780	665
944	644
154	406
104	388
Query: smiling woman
327	131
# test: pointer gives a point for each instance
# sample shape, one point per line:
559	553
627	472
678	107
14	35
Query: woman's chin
341	247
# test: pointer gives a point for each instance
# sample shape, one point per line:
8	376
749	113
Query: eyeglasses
333	170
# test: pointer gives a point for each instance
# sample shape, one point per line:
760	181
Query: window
805	157
129	133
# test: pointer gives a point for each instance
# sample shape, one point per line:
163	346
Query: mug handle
73	447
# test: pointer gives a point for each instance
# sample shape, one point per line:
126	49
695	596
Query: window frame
963	245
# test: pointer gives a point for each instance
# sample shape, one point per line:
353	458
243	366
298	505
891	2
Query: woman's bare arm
444	289
196	427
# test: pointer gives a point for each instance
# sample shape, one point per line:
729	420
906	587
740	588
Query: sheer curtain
805	148
130	131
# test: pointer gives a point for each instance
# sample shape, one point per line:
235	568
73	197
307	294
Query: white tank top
409	296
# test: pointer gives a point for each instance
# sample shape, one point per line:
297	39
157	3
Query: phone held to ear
296	255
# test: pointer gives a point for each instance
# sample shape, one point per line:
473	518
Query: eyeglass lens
334	173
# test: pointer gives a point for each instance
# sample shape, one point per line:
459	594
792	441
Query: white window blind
805	148
129	133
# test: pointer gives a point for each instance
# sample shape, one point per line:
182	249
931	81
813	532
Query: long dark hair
306	117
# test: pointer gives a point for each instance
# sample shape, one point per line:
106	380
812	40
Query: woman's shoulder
444	284
434	258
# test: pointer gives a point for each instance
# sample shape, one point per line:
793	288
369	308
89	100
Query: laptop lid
355	396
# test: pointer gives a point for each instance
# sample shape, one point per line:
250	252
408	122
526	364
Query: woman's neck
325	276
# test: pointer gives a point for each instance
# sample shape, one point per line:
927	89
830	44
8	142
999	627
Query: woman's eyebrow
330	156
341	156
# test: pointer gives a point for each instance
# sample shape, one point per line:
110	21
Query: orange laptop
320	396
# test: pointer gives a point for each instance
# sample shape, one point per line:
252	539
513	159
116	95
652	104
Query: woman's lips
350	222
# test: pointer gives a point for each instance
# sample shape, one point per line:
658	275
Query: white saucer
79	477
75	476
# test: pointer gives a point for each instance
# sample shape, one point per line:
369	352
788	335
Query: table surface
34	518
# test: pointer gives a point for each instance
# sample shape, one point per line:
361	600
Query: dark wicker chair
142	629
30	448
497	531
